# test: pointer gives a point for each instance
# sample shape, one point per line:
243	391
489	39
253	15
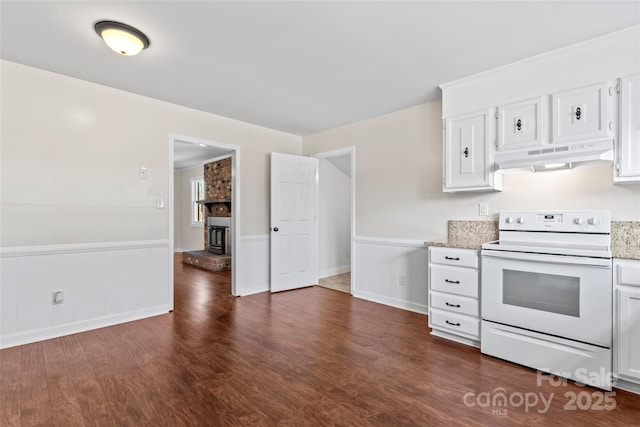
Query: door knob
275	229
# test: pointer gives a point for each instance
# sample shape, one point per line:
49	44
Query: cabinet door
628	318
582	114
468	152
628	149
520	124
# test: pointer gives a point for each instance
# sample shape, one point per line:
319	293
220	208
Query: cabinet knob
466	151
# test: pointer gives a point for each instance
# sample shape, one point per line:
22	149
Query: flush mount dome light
122	38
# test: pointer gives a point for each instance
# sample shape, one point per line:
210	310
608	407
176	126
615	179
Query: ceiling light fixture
122	38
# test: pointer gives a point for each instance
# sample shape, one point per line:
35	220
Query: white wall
69	161
334	220
191	237
398	172
399	163
71	152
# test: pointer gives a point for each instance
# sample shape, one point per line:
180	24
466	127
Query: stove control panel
558	221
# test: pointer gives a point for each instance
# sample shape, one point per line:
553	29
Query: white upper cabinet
583	114
468	153
628	147
520	124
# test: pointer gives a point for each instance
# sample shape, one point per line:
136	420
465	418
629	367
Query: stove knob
508	220
578	221
594	221
520	220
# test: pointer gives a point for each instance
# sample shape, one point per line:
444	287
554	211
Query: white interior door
294	232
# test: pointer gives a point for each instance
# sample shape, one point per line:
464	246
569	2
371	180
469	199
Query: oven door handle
552	259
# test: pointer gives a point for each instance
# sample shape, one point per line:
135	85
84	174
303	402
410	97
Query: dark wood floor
310	357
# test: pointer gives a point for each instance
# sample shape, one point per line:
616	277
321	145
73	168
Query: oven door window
543	292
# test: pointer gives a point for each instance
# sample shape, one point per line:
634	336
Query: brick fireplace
217	212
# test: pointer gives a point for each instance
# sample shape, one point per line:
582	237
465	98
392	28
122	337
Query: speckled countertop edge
625	236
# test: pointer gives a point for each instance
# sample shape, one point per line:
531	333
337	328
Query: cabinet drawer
457	257
628	272
454	280
454	322
455	303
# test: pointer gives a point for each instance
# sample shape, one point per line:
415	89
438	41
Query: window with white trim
197	194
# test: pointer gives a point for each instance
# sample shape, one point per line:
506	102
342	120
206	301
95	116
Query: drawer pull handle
451	323
457	282
452	258
452	305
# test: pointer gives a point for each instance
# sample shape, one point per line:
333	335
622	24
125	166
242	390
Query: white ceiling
300	67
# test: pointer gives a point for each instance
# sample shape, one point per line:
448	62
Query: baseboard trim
393	302
334	271
17	251
627	386
456	338
76	327
255	290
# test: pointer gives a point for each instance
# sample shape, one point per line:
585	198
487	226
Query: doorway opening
204	194
336	218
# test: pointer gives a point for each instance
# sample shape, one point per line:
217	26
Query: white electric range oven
547	293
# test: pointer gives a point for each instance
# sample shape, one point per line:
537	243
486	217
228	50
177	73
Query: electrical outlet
58	297
143	173
483	209
160	202
402	280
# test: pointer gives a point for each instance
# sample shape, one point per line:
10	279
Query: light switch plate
143	173
483	209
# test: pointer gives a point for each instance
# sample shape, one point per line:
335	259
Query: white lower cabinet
454	309
626	349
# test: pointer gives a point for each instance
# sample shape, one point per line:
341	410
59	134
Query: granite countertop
625	239
468	234
625	236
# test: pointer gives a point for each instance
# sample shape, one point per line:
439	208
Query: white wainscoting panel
253	274
104	284
391	272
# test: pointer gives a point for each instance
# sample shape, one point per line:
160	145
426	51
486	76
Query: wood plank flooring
310	357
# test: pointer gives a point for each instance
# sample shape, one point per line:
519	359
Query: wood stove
219	235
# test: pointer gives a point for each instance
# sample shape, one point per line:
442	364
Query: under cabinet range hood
556	156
